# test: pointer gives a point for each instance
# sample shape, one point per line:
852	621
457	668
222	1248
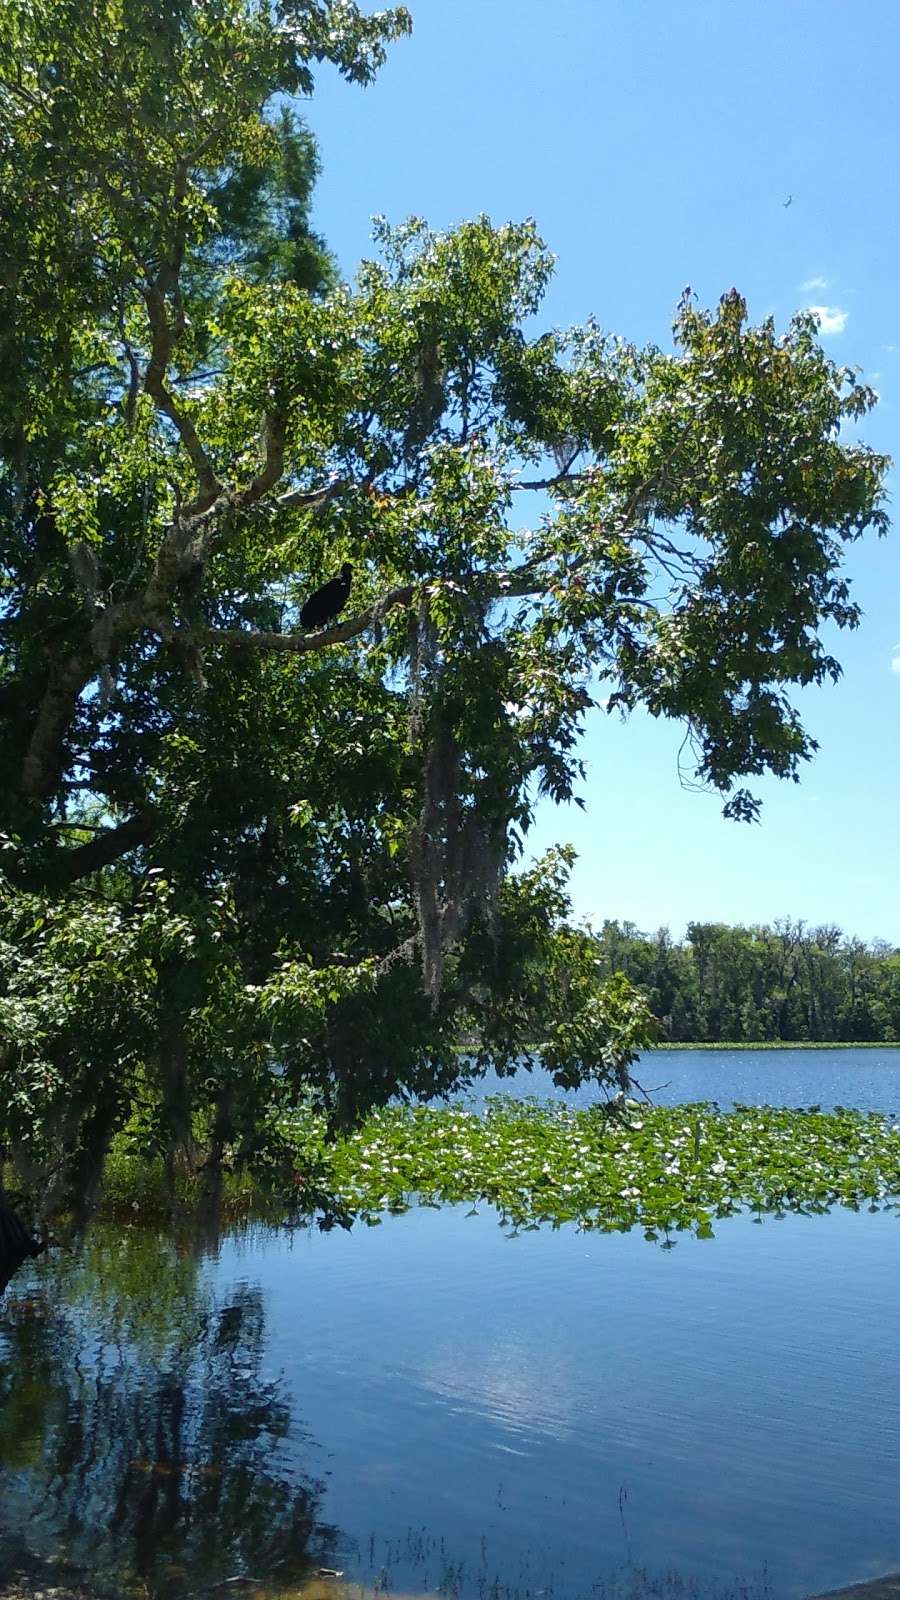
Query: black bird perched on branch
329	601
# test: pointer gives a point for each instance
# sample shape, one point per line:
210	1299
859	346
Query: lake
866	1079
432	1406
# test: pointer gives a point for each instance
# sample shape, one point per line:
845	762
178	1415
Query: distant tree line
788	981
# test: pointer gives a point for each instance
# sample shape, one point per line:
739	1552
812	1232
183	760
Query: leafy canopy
231	843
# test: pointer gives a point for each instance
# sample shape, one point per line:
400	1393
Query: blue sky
656	144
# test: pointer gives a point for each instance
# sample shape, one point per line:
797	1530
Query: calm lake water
431	1406
867	1079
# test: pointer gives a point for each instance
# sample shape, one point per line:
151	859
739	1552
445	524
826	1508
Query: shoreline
884	1588
779	1044
738	1044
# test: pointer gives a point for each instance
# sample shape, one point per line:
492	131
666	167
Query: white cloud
831	318
895	660
814	283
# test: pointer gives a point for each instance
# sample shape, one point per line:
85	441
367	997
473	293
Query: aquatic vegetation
665	1169
457	1581
660	1168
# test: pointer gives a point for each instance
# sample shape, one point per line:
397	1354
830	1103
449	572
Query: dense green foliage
788	982
229	843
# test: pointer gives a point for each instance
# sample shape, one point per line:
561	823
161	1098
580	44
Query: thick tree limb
299	644
492	586
510	584
273	462
209	487
107	847
57	708
67	680
163	336
554	482
314	497
184	546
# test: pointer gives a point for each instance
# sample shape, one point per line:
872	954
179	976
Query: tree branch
273	462
184	545
107	847
313	497
134	370
164	334
57	708
154	383
510	584
406	951
299	644
554	482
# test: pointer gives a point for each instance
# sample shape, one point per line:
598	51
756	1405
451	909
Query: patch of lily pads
662	1169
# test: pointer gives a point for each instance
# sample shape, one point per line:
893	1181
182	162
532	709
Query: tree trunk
16	1244
86	1171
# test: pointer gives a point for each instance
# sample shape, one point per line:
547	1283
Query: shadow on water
142	1447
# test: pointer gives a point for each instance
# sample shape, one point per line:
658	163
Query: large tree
231	842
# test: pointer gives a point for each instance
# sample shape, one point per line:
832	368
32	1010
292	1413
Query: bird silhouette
788	201
329	601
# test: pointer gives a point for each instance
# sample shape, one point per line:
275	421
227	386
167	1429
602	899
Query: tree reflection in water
140	1441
